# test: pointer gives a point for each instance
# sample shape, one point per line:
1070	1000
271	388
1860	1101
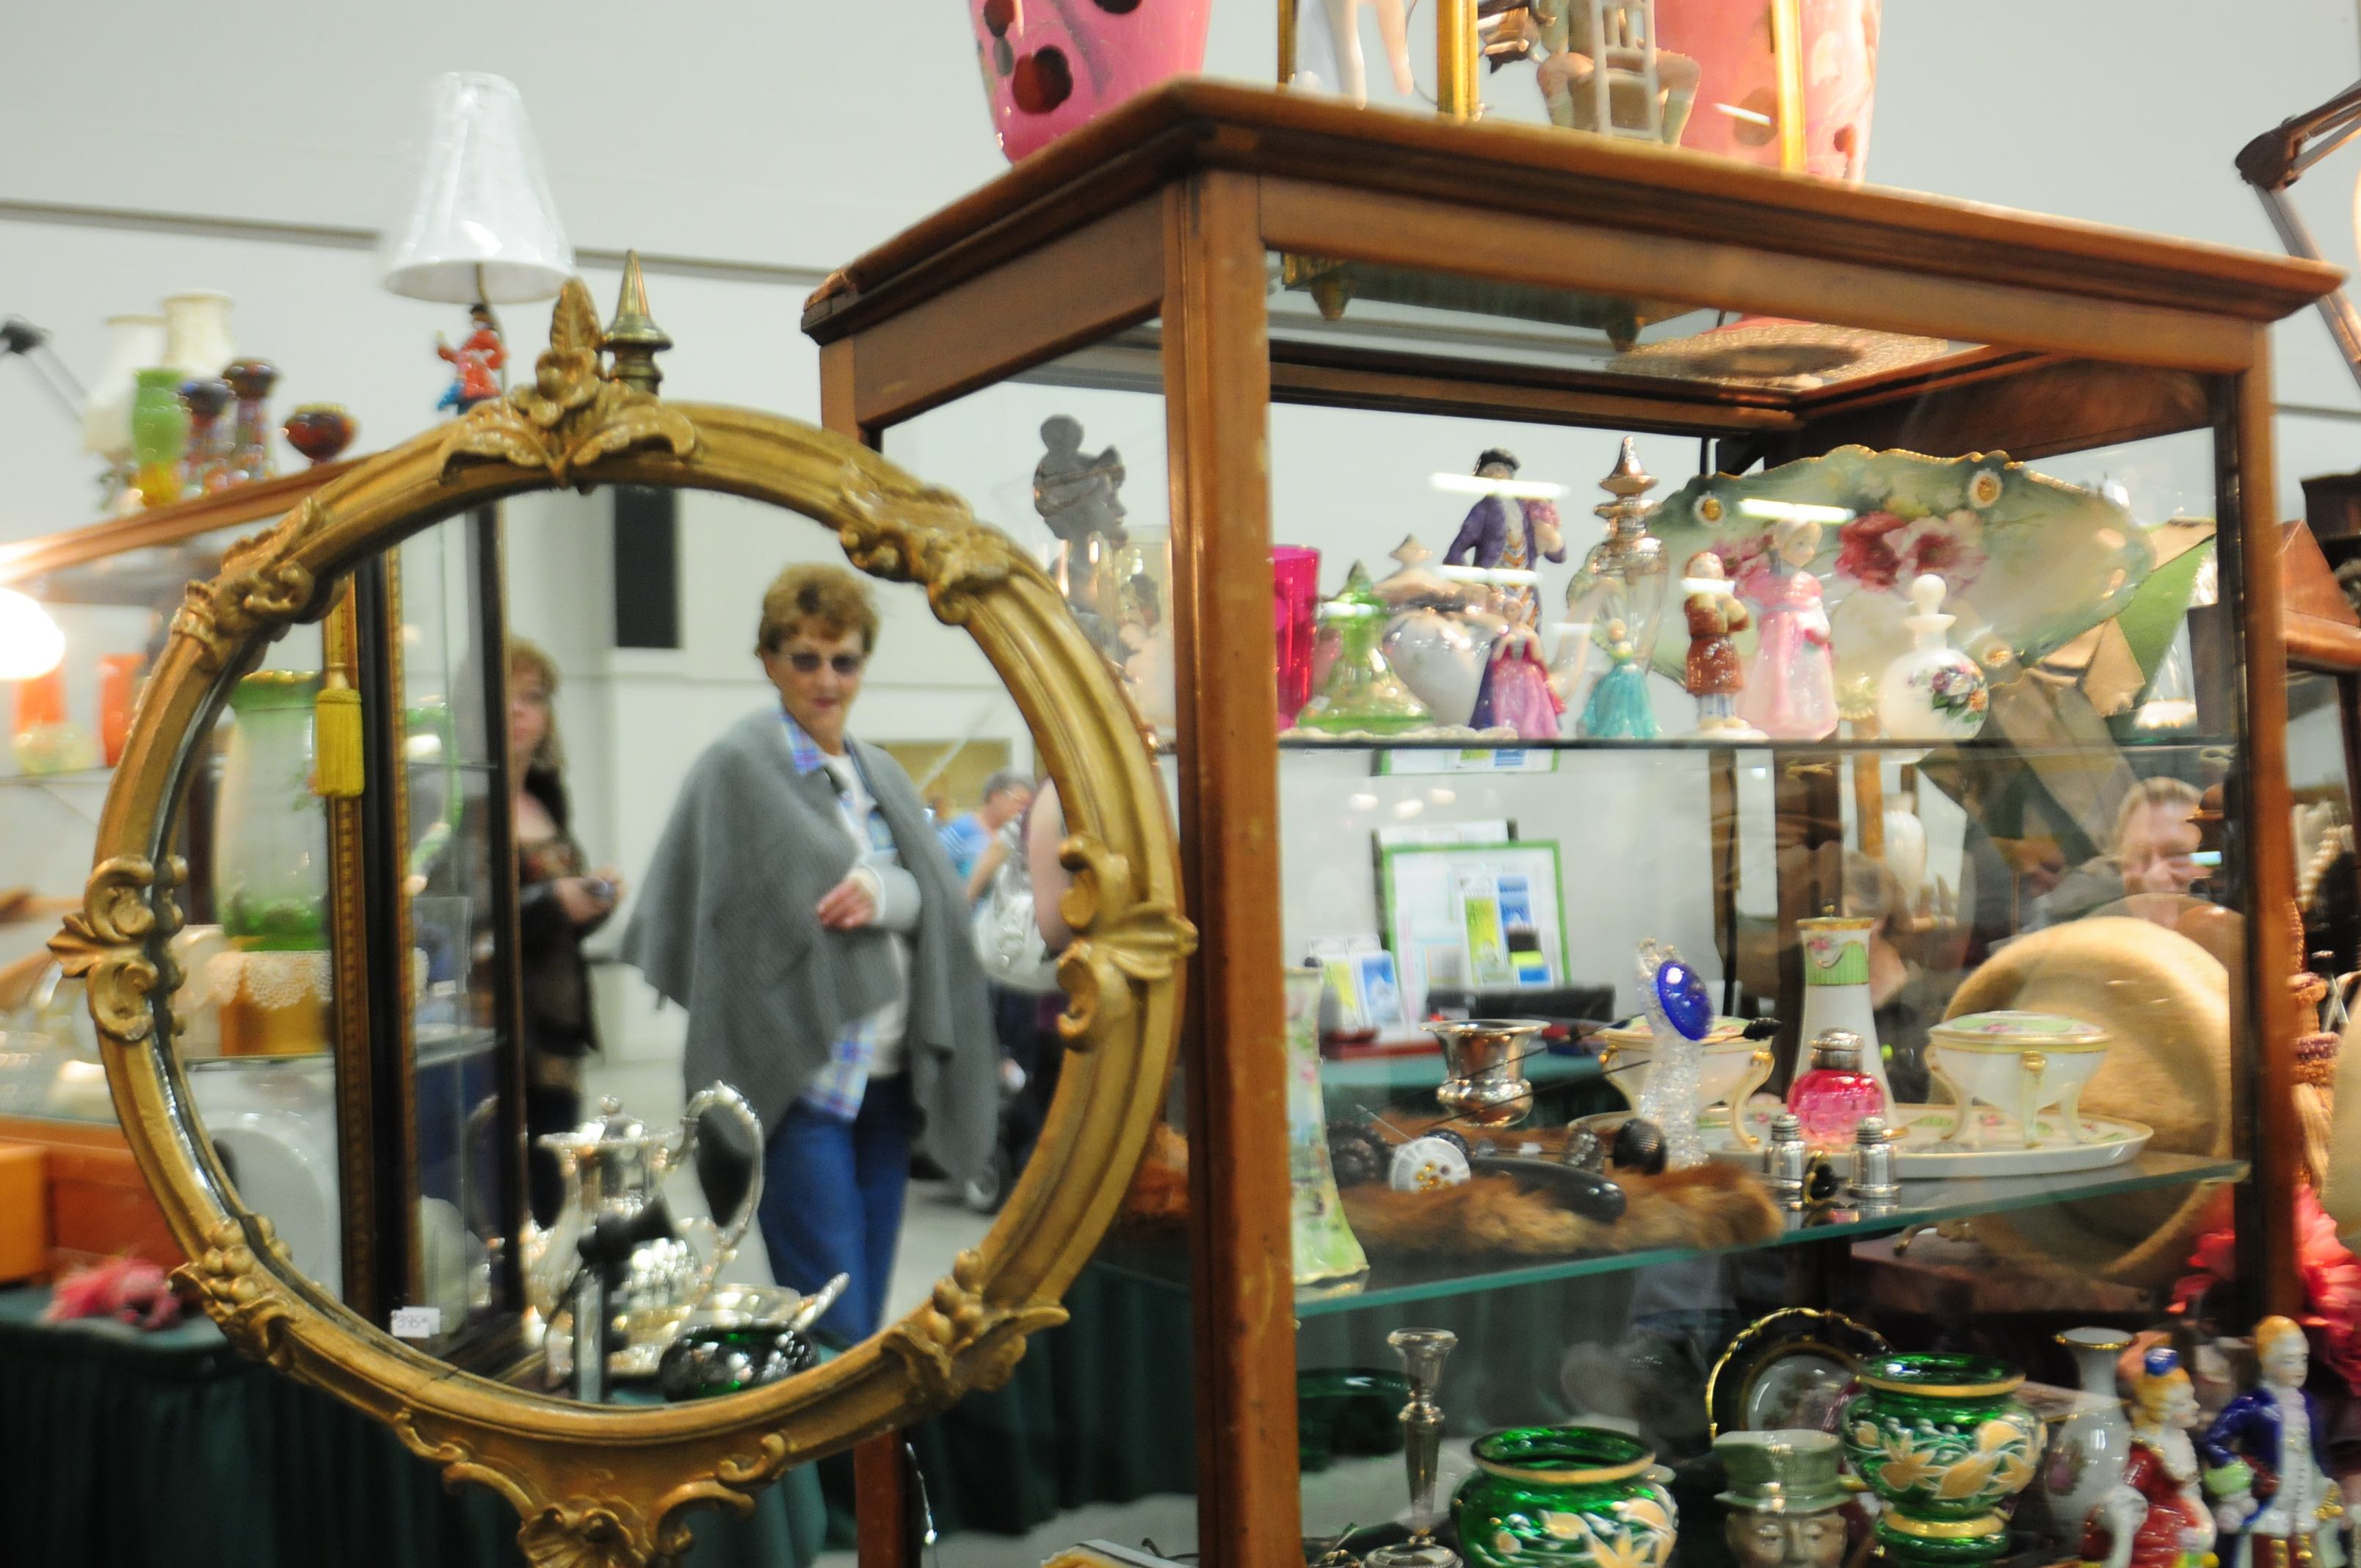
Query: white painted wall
788	138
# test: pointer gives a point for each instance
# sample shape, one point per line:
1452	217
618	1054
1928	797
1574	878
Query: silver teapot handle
730	1232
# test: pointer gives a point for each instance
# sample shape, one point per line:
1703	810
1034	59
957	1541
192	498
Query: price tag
417	1322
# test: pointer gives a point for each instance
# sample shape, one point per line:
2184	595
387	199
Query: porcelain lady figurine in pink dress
1516	690
1791	693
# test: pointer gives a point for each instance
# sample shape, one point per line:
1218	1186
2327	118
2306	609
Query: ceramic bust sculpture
1934	692
2266	1462
1791	693
2155	1516
1785	1502
1712	673
1075	493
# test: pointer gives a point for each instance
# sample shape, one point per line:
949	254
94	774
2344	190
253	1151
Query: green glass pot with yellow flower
1575	1497
1943	1441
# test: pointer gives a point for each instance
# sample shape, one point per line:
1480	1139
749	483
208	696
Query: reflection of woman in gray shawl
799	906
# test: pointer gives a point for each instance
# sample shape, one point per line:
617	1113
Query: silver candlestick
1422	1352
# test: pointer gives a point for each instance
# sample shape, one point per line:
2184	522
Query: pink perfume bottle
1831	1099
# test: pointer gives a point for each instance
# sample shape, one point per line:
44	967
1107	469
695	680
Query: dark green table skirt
120	1449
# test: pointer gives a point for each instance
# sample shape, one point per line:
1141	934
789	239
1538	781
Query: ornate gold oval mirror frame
603	1485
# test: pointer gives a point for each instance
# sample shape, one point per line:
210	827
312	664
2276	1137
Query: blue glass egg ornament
1682	996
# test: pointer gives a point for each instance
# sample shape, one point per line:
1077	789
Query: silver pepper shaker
1872	1164
1787	1158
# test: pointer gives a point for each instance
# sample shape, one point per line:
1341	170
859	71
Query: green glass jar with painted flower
1567	1496
1943	1441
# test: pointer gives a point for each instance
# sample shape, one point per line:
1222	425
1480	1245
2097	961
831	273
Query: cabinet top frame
1079	242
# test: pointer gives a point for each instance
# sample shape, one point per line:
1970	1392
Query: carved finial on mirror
633	337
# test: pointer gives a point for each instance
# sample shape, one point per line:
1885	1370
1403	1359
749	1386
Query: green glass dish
1575	1497
1943	1440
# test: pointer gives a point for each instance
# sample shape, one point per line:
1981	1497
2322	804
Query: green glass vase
159	434
1943	1441
1361	694
1568	1497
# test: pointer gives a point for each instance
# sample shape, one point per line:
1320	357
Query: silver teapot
614	1166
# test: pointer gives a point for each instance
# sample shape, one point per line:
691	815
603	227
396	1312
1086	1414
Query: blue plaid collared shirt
837	1089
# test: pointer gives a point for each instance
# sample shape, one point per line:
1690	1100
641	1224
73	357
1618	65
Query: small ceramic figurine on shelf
1934	692
1513	532
1785	1498
204	464
1680	1015
1516	691
2266	1462
2155	1516
250	439
1075	493
1791	694
1712	673
474	364
1618	706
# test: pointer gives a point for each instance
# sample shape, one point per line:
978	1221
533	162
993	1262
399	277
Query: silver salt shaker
1872	1164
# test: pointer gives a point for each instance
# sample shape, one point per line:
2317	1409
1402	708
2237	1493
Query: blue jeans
832	1203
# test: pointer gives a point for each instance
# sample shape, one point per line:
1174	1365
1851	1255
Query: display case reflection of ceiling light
1792	511
1480	485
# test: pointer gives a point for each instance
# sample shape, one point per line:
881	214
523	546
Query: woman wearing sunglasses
800	908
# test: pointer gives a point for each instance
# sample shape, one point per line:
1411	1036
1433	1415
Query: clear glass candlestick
1422	1352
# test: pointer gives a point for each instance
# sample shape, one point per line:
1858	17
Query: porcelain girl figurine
2265	1463
1713	675
1791	694
1516	690
1618	708
2156	1517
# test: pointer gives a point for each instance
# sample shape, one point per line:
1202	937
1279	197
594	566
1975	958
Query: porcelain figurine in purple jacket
1505	531
2265	1463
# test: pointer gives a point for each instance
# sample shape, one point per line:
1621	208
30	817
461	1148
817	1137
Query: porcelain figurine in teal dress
1618	708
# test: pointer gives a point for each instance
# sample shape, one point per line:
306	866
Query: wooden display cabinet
1203	241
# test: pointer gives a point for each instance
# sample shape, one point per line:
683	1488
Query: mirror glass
858	1104
2322	712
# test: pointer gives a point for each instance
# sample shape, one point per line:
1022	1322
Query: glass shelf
1965	750
1923	1203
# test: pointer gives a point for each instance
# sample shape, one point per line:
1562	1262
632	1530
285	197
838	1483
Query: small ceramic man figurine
1515	533
474	364
2157	1516
1075	492
1713	675
2265	1465
1786	1505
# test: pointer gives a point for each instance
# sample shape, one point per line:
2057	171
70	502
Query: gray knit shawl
723	926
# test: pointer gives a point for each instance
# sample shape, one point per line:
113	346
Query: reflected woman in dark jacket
559	902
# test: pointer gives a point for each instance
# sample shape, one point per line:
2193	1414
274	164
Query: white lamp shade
481	225
30	642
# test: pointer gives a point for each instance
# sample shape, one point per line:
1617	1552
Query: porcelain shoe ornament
1934	692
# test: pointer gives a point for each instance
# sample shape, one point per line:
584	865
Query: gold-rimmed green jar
1568	1497
1943	1440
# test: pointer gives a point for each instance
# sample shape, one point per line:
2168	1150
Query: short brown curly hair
829	600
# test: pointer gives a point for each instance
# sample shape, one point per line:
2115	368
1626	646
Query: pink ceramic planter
1051	65
1731	42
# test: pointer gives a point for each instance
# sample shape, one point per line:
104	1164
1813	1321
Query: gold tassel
336	771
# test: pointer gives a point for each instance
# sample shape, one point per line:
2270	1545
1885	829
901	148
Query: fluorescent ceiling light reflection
1792	511
1479	484
30	642
1752	117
